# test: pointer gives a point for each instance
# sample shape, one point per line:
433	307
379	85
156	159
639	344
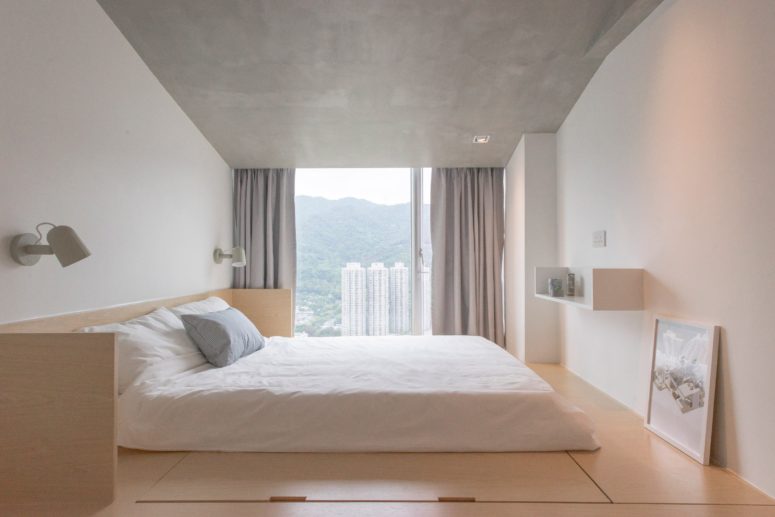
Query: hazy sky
383	186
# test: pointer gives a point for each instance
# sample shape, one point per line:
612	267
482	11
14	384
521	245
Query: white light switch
598	239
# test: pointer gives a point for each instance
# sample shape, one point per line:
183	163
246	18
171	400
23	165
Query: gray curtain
467	221
265	225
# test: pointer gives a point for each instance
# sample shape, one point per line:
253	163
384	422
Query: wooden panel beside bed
58	407
58	395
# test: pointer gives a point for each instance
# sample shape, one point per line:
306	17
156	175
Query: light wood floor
634	473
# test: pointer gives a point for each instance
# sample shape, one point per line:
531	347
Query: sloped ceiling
373	83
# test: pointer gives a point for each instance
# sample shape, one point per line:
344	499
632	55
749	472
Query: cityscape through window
356	264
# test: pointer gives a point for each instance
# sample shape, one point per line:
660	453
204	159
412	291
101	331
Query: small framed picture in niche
682	385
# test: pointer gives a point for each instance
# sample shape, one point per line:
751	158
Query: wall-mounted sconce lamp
63	243
237	256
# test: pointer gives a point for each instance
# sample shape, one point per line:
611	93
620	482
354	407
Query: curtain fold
265	225
467	235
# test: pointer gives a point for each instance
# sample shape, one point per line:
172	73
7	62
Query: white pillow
151	346
212	304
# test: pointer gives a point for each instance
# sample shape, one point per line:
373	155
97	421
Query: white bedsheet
418	393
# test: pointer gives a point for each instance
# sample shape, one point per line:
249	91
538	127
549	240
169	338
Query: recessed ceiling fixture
481	139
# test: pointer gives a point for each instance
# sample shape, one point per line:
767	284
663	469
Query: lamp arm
39	249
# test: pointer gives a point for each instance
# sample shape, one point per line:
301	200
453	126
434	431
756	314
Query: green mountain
330	233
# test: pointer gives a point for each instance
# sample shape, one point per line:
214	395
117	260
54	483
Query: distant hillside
330	233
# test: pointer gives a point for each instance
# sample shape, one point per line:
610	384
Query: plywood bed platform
632	468
634	473
415	477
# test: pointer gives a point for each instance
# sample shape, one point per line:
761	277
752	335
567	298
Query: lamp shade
66	245
238	257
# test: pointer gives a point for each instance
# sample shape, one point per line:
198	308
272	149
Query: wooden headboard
271	310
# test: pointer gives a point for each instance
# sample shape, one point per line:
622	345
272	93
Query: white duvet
418	393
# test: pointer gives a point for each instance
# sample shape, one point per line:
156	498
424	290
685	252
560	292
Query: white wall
91	139
514	252
671	149
531	240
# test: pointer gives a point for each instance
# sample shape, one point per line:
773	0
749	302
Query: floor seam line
361	501
431	501
589	476
166	473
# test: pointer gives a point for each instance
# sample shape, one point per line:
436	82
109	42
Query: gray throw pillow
223	336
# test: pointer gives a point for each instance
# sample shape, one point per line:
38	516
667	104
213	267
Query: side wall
531	240
514	252
670	149
89	138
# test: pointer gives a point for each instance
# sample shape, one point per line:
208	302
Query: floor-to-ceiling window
359	271
425	253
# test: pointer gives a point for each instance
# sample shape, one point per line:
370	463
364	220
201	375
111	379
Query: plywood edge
73	321
271	310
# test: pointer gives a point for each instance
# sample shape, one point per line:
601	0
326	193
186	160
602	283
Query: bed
351	394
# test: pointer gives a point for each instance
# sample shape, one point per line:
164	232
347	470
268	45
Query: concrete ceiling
373	83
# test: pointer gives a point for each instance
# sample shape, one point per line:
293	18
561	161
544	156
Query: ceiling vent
481	139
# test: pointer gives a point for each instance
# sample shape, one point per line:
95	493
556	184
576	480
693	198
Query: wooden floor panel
376	477
139	471
636	466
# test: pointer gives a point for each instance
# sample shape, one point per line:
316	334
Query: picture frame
682	384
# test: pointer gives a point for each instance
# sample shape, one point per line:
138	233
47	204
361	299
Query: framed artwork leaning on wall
682	385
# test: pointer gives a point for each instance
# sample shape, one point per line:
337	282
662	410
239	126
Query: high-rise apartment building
400	322
377	300
353	300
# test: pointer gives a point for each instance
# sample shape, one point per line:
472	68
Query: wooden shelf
576	301
597	289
